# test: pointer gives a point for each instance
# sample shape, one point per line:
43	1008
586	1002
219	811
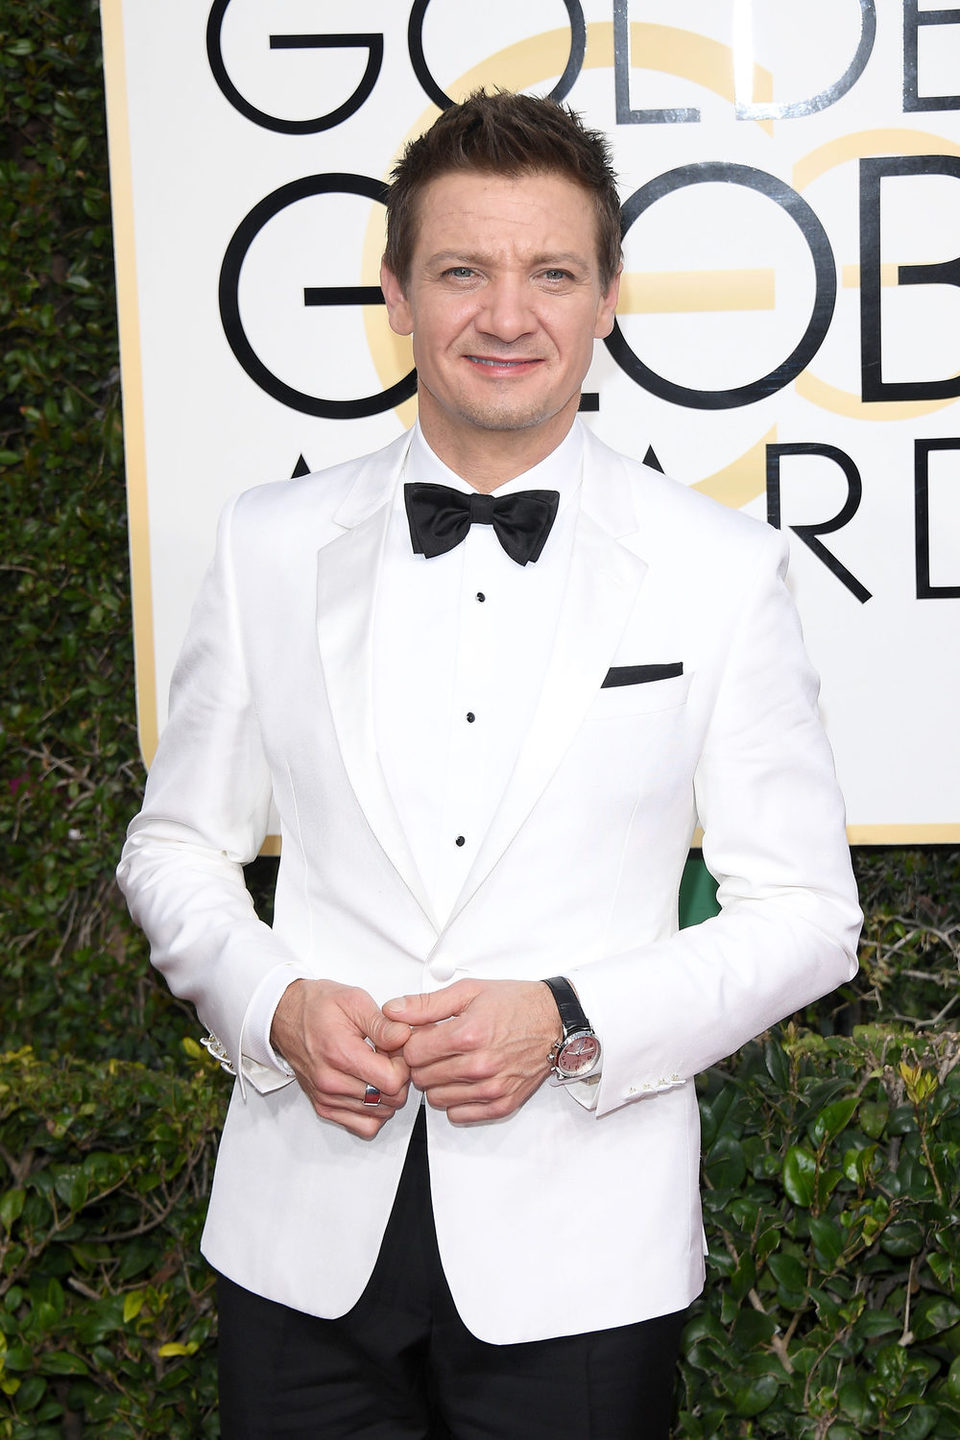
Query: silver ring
371	1095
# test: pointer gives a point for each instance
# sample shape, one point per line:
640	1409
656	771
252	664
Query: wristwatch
576	1055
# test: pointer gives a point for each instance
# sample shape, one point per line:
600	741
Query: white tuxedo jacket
560	1218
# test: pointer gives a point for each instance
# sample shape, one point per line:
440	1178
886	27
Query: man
489	715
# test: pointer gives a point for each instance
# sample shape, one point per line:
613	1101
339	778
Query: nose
505	313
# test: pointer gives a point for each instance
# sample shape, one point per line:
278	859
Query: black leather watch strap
571	1011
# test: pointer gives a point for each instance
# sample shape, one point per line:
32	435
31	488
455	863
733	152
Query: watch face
579	1054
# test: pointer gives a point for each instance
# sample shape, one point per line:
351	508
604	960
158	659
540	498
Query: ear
607	307
398	309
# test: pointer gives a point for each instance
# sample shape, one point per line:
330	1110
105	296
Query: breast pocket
644	697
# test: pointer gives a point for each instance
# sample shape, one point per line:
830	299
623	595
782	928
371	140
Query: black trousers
401	1365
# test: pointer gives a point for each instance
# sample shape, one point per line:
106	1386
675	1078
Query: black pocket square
640	674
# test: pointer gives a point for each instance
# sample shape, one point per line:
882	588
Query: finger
452	1040
388	1034
359	1062
372	1098
441	1097
466	1105
454	1093
431	1045
473	1114
343	1082
461	1043
461	1110
353	1114
468	1068
368	1020
351	1090
372	1093
364	1124
428	1009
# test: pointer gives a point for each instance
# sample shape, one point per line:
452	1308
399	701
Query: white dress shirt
461	643
449	631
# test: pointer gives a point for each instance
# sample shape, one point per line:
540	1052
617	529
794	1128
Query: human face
504	301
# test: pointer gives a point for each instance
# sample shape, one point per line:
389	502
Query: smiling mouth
504	364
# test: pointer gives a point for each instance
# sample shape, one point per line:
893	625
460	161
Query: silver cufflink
218	1050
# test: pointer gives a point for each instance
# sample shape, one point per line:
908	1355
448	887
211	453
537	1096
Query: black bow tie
439	519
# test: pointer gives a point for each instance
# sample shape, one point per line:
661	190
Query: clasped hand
477	1049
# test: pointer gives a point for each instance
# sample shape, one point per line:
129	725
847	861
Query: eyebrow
469	257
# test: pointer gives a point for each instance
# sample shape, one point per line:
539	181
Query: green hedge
106	1308
832	1189
832	1169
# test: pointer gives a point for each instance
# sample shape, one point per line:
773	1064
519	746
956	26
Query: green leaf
138	1257
99	1321
858	1164
19	1357
878	1322
724	1164
788	1272
61	1362
767	1242
834	1117
942	1267
55	1296
71	1185
953	1379
902	1120
31	1392
778	1067
704	1326
744	1277
11	1206
755	1396
751	1329
918	1424
827	1181
132	1305
891	1362
799	1173
873	1117
902	1238
932	1314
828	1239
827	1303
854	1402
744	1212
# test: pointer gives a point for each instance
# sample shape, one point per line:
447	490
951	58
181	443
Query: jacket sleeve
774	838
204	816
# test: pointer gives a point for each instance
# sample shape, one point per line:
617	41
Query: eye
460	272
554	275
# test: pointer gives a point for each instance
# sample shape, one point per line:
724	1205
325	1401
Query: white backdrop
789	333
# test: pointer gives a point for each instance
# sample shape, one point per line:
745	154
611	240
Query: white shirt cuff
260	1012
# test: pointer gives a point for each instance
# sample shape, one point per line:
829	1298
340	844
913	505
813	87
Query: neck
487	459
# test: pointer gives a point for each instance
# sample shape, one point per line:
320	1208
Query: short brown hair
504	134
